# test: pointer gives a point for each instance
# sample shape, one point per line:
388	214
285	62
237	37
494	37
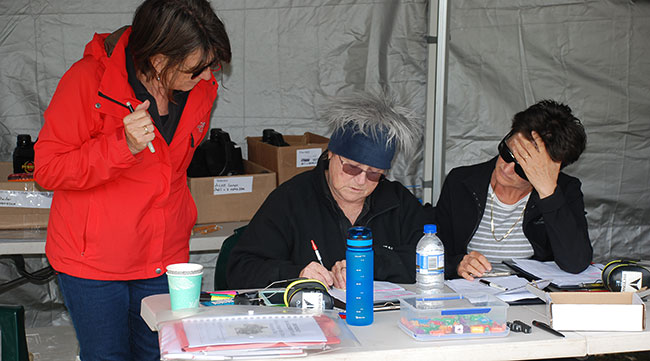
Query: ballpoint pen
546	328
493	285
149	145
313	245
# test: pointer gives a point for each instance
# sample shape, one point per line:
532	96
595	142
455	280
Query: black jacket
555	226
276	245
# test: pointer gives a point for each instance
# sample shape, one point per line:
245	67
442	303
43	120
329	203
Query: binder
186	331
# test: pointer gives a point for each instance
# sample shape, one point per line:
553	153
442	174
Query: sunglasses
354	171
216	66
508	157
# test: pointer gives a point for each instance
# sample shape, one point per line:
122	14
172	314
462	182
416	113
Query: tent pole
434	141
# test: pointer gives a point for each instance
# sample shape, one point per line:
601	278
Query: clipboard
553	286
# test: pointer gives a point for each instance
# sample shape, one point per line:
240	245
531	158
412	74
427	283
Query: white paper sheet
382	292
515	286
560	278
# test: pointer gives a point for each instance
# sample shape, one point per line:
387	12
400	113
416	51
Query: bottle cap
24	139
359	237
430	228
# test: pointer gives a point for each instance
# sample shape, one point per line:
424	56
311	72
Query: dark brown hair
562	133
175	29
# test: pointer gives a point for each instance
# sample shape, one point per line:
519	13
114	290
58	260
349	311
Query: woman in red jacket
119	134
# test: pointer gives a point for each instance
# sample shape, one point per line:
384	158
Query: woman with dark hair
519	204
118	136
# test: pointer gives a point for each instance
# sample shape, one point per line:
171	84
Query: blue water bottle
359	275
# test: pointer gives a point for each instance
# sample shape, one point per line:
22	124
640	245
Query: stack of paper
246	336
510	288
562	279
382	292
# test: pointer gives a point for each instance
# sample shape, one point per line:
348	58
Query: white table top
383	340
32	241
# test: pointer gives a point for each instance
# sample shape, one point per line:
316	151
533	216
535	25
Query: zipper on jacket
113	100
478	221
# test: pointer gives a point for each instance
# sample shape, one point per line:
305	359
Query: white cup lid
184	269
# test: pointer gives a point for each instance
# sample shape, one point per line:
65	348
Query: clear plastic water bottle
359	277
430	262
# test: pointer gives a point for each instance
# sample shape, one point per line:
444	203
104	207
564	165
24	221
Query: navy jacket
277	243
555	226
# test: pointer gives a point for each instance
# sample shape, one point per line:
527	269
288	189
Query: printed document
233	330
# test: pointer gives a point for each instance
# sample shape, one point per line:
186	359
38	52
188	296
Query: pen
493	285
546	328
313	245
149	145
496	274
590	284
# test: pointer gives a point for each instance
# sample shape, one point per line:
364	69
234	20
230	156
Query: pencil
313	246
149	145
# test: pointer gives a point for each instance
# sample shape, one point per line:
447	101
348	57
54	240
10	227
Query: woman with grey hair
347	188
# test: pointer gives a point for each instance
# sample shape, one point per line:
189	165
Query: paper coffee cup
184	284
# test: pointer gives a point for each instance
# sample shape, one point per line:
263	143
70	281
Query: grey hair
371	113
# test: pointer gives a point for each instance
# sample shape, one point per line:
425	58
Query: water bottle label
430	264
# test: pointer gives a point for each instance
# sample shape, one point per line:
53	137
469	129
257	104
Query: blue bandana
365	149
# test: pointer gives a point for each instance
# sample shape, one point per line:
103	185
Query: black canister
24	154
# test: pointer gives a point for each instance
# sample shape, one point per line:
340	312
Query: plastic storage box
450	315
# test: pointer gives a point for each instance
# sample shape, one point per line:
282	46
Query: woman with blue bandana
347	188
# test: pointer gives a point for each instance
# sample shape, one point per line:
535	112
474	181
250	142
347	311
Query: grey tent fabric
593	55
504	55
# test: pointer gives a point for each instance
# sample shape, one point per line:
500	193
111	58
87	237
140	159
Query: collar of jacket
109	50
479	181
380	200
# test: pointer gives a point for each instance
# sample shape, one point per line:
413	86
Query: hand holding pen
139	128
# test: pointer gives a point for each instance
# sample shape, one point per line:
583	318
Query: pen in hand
149	145
546	328
313	245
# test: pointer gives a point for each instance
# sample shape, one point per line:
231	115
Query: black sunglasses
213	67
508	157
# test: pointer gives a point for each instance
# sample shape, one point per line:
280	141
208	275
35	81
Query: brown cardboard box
12	199
231	198
300	156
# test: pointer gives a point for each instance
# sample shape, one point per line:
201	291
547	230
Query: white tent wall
287	57
592	55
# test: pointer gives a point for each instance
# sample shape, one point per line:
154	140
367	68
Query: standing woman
122	210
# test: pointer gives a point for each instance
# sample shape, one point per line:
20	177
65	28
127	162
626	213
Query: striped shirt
515	245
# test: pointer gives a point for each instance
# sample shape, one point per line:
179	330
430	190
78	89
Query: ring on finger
146	130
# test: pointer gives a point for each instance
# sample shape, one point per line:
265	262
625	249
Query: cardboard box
22	204
301	155
593	311
232	198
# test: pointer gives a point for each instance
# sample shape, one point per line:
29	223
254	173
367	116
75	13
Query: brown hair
175	29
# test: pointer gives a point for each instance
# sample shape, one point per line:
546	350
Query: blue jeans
106	317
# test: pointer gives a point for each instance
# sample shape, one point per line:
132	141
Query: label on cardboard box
307	157
233	185
24	199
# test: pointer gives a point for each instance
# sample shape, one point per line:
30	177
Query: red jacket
115	216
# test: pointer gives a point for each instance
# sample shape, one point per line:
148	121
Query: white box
593	311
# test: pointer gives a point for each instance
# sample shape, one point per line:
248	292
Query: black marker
546	328
149	145
493	285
